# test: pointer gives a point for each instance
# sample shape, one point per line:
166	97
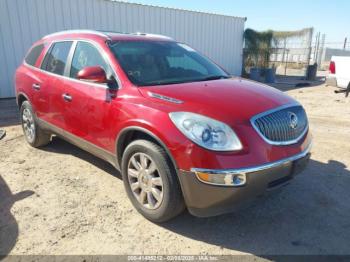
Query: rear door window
56	59
34	54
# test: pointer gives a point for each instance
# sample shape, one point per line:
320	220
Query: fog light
238	179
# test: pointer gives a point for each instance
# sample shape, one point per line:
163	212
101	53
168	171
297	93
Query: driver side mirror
94	74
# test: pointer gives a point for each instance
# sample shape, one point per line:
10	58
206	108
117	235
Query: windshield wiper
164	82
171	82
216	77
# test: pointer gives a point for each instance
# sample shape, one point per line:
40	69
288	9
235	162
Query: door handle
67	97
36	86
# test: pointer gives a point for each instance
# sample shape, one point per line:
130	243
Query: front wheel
151	182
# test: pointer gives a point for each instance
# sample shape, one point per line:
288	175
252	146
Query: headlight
206	132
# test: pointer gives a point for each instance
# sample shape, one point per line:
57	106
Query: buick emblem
293	120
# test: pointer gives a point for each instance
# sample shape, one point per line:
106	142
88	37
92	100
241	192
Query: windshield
160	63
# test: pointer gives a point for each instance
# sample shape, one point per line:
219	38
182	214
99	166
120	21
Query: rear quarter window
34	54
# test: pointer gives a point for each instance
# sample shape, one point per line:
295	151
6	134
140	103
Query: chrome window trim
102	52
255	168
67	78
278	143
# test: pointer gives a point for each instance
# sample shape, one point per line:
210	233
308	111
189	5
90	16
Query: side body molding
81	143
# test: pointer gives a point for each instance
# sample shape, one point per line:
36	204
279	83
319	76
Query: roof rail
135	33
94	32
112	32
104	33
152	35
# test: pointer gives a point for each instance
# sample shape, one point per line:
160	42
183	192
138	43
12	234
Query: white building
23	22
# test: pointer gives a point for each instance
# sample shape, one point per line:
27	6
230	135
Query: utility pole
309	52
311	33
345	41
317	47
283	56
285	66
321	51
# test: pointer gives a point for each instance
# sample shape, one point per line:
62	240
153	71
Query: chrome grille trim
281	131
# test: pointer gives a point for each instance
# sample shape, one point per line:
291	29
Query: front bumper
205	200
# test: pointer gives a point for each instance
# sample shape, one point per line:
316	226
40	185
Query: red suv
182	132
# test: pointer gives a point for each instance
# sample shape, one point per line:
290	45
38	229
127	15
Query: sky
326	16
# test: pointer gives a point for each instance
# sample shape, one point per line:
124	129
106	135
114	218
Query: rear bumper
331	80
209	200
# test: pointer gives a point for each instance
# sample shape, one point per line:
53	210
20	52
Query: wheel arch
132	133
21	97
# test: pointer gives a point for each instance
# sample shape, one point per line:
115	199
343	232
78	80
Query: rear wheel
34	135
151	181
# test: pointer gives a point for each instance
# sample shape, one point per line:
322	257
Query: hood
227	100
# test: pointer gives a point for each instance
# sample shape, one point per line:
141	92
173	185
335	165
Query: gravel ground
62	200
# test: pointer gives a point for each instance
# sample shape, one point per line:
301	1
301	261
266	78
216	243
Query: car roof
105	35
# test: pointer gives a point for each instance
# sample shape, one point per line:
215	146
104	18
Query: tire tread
42	138
175	204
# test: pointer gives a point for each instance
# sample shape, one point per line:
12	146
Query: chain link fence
289	53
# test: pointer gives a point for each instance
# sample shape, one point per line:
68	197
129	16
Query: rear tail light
332	67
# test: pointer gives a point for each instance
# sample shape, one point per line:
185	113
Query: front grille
282	126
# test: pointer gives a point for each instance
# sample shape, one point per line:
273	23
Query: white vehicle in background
339	71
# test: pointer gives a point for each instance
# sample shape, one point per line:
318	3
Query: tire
36	137
172	203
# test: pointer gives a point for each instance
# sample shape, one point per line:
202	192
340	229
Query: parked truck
339	71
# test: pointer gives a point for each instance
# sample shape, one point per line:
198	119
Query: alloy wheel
145	181
28	124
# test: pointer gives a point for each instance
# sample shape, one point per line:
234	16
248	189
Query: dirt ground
62	200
